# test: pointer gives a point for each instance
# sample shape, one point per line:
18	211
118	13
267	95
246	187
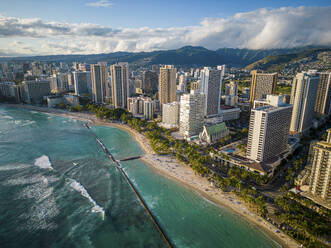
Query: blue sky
95	26
137	13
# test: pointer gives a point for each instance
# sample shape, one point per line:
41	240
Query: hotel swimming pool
230	150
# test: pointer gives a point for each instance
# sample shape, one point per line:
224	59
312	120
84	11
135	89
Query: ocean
59	189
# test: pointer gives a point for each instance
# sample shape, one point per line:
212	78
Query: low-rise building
230	113
141	107
53	101
212	134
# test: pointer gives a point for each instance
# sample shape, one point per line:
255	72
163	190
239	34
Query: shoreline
169	167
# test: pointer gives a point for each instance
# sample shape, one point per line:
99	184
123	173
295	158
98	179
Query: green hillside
313	58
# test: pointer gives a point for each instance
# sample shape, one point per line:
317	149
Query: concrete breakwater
140	199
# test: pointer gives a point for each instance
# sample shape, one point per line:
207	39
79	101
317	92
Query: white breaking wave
28	122
43	162
80	188
13	166
18	122
7	117
31	179
24	180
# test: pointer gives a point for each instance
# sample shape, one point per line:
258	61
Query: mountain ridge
184	56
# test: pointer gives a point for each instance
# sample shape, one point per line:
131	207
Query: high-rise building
323	96
120	84
320	177
246	92
167	84
211	86
195	85
106	92
230	100
59	82
303	96
82	82
156	69
233	88
182	82
71	83
33	91
262	84
222	69
170	114
10	90
149	82
191	117
148	109
99	82
269	129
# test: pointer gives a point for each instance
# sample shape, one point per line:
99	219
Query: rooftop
225	107
220	127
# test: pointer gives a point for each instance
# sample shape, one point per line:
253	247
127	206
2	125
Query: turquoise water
56	184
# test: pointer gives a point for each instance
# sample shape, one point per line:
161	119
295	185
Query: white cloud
260	29
101	3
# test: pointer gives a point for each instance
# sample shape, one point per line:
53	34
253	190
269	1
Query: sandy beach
173	169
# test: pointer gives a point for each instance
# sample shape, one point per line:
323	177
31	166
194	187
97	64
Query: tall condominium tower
170	114
303	95
82	82
323	96
99	82
320	178
149	82
233	90
269	129
262	84
71	84
105	82
191	113
167	84
211	86
59	82
221	68
120	84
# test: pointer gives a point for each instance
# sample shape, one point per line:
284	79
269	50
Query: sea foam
43	162
14	166
80	188
44	208
27	122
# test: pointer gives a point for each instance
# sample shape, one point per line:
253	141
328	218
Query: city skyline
87	27
125	123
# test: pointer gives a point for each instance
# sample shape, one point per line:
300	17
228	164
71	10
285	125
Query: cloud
101	3
260	29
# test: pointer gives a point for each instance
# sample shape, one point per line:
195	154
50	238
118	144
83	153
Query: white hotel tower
303	96
268	128
191	114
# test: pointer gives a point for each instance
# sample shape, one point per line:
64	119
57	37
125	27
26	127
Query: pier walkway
130	158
